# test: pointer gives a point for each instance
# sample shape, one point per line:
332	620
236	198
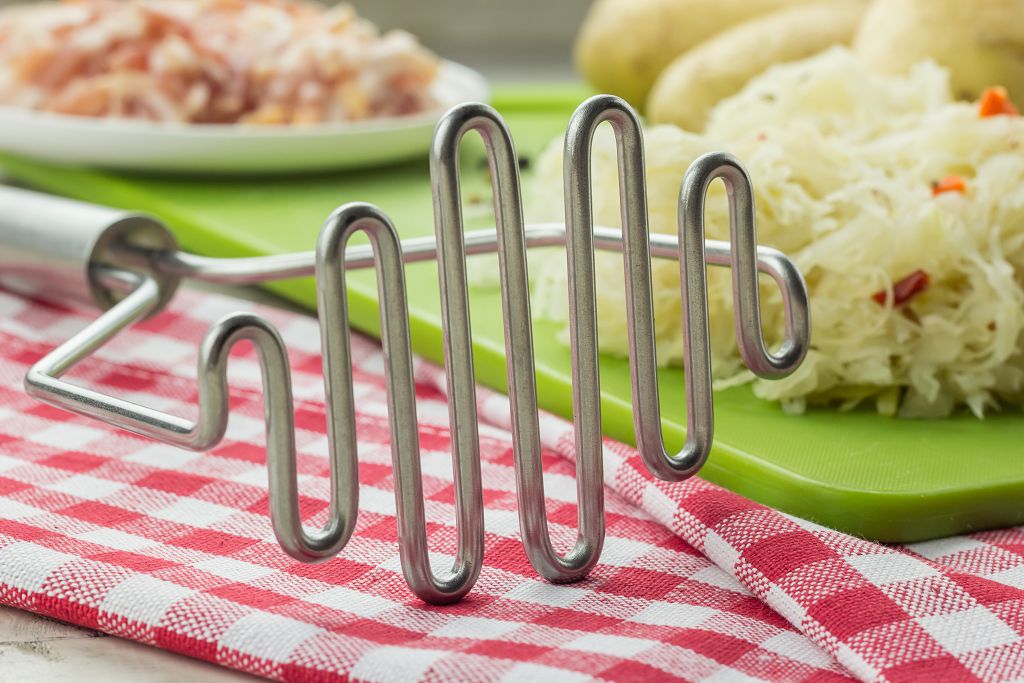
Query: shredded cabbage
842	161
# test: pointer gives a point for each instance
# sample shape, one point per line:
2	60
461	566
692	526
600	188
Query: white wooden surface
35	649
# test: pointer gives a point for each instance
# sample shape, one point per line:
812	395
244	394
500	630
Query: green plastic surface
881	478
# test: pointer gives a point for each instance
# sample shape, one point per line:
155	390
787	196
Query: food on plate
624	44
903	208
981	43
210	61
697	80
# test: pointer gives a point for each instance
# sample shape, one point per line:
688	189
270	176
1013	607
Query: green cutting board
881	478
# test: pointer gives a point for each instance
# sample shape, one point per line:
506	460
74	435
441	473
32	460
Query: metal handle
54	248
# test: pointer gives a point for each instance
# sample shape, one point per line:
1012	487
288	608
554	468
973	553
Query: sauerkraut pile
210	61
903	208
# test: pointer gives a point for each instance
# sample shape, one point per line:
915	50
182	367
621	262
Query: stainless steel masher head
129	266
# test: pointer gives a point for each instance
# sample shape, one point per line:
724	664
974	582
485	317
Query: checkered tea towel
174	549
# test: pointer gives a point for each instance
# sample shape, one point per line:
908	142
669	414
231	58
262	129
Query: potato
624	44
719	67
980	42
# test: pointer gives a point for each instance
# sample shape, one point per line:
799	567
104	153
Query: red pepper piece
905	289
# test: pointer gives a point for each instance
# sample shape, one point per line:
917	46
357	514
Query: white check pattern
174	549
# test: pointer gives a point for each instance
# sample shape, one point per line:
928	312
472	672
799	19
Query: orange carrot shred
951	183
995	101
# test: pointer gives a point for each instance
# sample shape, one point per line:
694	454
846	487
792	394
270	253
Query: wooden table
34	649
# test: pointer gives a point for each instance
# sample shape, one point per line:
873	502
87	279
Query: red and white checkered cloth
174	549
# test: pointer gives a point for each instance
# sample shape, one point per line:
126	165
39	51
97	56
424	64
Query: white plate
232	148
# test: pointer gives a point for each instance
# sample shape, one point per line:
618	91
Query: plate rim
474	82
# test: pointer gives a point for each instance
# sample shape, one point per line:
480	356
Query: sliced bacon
210	61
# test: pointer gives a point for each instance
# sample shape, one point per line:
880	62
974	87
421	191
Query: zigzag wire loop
405	449
521	374
743	263
143	294
744	258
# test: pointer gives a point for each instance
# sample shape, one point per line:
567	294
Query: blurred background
504	40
